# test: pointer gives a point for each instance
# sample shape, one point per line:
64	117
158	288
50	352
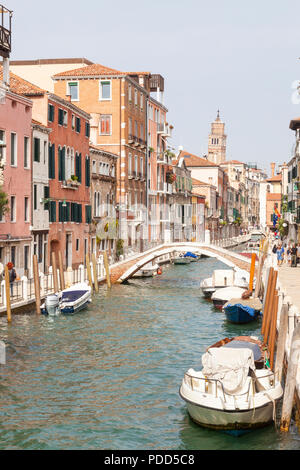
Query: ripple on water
108	378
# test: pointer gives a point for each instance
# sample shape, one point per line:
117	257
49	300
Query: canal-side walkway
289	280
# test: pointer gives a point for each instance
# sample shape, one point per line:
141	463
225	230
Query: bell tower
217	142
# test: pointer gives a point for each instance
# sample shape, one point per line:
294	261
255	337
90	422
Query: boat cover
235	344
73	295
251	306
228	365
189	254
228	293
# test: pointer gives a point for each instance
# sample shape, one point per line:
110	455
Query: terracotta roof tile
195	161
276	178
89	70
22	87
233	162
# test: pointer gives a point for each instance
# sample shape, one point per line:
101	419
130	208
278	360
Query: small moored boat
192	257
222	278
242	310
69	301
181	260
148	270
230	393
222	296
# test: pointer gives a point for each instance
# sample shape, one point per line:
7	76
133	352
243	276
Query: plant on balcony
170	177
238	221
169	154
151	149
74	178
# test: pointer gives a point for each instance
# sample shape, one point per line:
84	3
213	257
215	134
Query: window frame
15	147
110	124
68	91
101	98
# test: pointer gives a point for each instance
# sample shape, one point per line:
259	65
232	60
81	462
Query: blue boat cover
190	255
235	344
250	310
72	296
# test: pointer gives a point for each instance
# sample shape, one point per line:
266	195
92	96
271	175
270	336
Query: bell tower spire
217	141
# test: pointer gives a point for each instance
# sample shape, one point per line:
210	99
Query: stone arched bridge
124	271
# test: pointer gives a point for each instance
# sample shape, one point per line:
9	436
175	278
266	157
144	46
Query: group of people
289	253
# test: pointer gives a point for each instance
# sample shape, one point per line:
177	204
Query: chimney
6	76
273	169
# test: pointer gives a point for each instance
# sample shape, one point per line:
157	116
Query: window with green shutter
51	113
87	129
78	166
60	117
36	149
52	211
51	161
61	164
87	172
78	125
46	196
88	214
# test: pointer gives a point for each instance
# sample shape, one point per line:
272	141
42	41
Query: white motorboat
221	296
69	301
182	260
148	270
230	393
222	278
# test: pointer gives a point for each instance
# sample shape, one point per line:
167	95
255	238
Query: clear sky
241	57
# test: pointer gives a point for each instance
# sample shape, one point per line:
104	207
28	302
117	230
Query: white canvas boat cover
229	366
228	293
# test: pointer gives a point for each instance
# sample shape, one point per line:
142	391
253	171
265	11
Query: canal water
108	378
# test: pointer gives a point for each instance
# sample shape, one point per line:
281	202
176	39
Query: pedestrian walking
280	254
12	276
289	255
294	256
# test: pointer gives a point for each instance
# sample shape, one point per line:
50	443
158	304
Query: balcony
133	140
70	184
164	129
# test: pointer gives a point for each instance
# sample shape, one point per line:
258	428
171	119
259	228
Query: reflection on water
108	378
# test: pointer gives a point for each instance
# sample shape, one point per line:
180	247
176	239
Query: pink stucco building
15	156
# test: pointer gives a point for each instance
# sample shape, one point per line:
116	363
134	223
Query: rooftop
195	161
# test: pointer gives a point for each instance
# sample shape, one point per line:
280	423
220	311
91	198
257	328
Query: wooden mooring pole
89	272
290	382
252	271
54	272
267	299
37	287
282	333
61	272
96	285
106	265
273	324
270	308
7	293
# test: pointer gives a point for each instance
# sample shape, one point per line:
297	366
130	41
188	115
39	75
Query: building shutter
63	163
46	196
36	152
52	215
87	172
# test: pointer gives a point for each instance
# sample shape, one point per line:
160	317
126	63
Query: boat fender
159	271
